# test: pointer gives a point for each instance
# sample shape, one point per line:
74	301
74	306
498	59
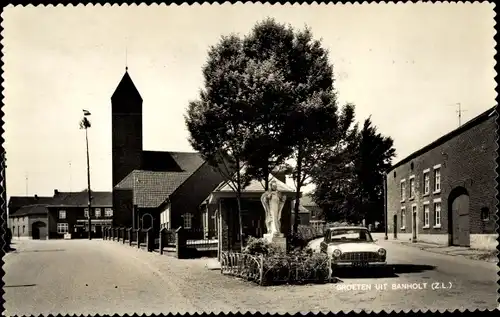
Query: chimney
56	192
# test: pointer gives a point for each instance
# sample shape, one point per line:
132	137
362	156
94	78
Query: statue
273	202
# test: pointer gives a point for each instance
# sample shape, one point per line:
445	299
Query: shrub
305	234
257	246
296	267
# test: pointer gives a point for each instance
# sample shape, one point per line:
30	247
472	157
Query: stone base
278	240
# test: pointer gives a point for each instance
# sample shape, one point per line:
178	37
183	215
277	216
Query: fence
137	237
278	269
184	242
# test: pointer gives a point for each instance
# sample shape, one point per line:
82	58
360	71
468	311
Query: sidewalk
474	254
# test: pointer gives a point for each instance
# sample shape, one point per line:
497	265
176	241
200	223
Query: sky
406	65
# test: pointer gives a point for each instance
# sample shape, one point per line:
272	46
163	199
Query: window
412	187
437	214
97	212
62	214
108	212
23	228
86	212
485	214
403	190
403	218
187	220
426	215
62	228
437	179
427	182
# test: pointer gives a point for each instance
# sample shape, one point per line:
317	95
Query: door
39	230
35	233
98	231
395	226
414	222
460	223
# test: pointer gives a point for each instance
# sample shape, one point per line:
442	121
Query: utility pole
70	180
85	124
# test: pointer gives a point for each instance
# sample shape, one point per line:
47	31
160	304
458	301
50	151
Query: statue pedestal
278	240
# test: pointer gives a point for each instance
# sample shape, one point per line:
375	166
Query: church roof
171	161
152	188
127	88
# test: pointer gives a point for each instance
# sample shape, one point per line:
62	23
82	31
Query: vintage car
353	247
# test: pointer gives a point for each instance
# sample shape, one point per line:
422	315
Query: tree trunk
297	192
238	199
266	176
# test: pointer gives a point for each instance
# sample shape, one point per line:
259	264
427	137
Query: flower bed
265	265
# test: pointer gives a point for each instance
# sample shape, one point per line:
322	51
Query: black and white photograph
249	157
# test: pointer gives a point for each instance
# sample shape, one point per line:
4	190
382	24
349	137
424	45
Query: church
147	182
153	189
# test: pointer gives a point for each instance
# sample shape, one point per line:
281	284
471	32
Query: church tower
126	125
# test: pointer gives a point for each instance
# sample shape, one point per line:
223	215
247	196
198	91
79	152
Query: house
52	217
26	211
68	213
222	207
445	192
147	184
309	212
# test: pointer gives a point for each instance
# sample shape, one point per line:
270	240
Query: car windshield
350	235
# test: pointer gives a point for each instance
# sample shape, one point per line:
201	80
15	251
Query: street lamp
85	124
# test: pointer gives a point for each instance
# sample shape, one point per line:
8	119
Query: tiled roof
31	210
20	201
171	161
188	161
255	186
152	188
161	161
80	199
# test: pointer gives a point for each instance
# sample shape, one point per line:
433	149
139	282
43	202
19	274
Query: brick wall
122	207
191	194
468	161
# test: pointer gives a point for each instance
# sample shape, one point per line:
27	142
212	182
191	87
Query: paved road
91	277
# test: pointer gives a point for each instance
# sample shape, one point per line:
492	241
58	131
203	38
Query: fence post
180	242
124	234
162	237
130	236
139	238
104	233
149	240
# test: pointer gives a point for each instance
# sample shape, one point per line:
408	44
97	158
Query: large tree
219	121
298	120
268	46
374	156
350	181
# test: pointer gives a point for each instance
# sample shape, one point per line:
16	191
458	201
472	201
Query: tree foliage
350	181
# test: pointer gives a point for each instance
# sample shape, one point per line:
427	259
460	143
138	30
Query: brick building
445	192
53	217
